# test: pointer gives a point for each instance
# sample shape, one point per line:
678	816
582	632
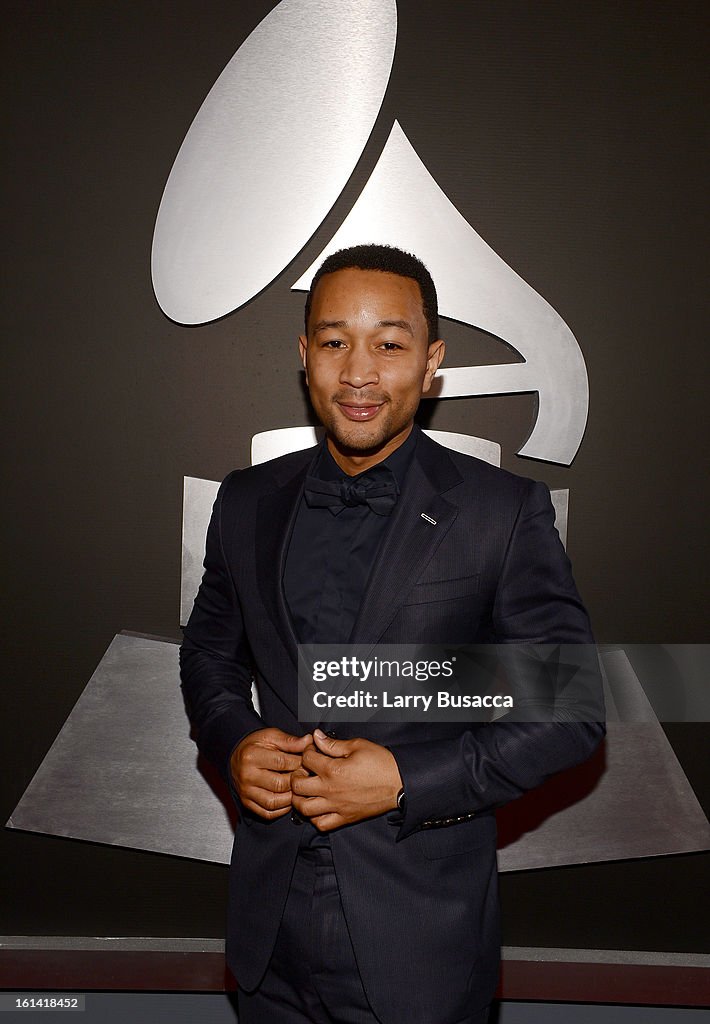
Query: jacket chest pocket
443	590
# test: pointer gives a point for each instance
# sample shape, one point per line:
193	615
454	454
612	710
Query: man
363	883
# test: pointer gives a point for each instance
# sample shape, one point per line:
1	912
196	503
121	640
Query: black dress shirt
330	555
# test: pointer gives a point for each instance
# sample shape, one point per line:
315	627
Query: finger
270	758
312	806
266	815
270	782
286	742
330	746
260	800
327	822
321	764
307	785
267	799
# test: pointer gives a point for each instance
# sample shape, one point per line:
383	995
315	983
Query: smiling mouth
359	411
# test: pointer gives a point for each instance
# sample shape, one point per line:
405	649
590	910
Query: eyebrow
403	325
323	325
343	325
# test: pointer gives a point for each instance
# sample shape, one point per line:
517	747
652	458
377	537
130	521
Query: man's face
367	361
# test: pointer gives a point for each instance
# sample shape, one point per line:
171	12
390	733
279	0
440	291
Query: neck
352	461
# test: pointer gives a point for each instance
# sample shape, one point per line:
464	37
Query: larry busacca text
443	699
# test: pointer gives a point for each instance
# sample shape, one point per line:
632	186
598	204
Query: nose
359	368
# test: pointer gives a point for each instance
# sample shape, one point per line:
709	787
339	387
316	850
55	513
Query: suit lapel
276	513
419	522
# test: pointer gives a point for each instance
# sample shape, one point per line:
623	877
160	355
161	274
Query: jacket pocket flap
443	590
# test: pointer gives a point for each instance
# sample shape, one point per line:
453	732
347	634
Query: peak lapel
419	522
276	511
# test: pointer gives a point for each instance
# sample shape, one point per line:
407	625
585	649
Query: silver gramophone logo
265	159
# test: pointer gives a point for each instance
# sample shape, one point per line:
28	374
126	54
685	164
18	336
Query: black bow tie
377	489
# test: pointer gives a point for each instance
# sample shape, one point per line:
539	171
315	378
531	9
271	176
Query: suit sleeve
215	660
536	602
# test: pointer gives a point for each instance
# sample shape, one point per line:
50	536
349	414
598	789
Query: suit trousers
313	977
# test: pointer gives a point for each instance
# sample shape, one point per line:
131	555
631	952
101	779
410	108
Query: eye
333	343
390	346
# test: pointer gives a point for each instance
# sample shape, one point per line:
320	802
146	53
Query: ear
433	361
303	351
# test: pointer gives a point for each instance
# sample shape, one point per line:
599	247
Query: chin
358	439
363	438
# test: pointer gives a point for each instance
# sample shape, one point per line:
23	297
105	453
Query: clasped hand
332	782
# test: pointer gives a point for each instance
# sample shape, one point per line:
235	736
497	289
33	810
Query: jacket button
296	818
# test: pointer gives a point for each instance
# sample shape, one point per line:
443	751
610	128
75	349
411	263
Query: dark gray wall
569	136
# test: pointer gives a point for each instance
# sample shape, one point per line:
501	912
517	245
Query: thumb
330	746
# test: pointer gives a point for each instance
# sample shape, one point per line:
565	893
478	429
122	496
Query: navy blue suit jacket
421	903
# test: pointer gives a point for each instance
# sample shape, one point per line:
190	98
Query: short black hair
389	260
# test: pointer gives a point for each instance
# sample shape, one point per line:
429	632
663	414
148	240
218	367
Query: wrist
396	782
